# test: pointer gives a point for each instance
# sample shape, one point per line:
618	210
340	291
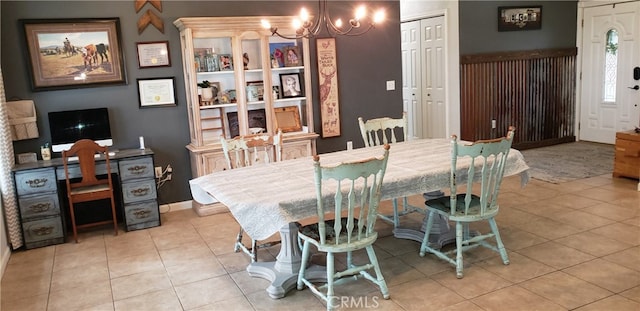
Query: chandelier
306	27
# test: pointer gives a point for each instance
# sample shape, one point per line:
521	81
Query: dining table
272	197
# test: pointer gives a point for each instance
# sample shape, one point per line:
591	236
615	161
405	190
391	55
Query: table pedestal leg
441	232
283	273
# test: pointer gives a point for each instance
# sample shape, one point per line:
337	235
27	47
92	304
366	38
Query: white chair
383	131
486	160
249	150
358	188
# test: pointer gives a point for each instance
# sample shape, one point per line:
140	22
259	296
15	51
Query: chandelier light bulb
265	24
361	12
379	16
304	15
338	23
297	24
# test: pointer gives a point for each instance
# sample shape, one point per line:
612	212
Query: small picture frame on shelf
287	119
225	61
275	92
202	59
291	85
277	52
292	57
232	96
255	91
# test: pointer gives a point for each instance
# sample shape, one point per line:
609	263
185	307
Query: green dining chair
384	131
357	195
485	161
249	150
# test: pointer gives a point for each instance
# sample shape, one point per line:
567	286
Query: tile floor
572	246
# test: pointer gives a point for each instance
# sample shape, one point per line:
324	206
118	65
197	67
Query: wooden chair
358	189
89	188
383	131
487	160
248	150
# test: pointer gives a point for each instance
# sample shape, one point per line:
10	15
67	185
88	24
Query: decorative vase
207	94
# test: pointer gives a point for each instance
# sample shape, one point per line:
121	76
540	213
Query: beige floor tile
176	239
186	252
582	220
25	287
428	265
235	303
616	302
593	244
477	281
515	298
79	276
633	293
81	298
519	269
548	228
249	284
205	292
195	270
36	255
544	208
555	255
463	306
635	221
157	301
612	211
621	232
140	283
629	258
565	290
605	274
574	201
295	300
18	270
92	241
515	239
234	262
424	294
33	303
135	264
396	271
514	217
80	257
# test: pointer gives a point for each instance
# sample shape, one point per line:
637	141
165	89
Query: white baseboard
6	254
176	206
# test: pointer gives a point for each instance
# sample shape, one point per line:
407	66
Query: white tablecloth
263	198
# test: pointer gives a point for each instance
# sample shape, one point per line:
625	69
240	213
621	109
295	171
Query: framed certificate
156	92
153	54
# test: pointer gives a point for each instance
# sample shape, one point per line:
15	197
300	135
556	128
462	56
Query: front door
610	98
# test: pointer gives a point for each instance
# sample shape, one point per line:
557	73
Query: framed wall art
153	54
74	53
328	80
155	92
519	18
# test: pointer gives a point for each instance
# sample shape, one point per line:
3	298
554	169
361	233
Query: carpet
570	161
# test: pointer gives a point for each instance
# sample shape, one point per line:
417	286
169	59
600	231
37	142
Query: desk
40	189
271	197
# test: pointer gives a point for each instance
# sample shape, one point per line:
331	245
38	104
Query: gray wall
479	27
364	63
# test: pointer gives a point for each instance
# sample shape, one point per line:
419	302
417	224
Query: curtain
7	161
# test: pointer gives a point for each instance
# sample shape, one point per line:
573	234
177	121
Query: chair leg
114	216
330	277
236	247
303	264
459	262
73	221
427	232
501	248
396	221
254	250
376	267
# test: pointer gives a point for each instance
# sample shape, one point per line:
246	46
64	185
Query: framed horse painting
74	53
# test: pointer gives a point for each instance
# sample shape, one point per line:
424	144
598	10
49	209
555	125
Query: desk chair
89	188
357	184
382	131
248	150
488	159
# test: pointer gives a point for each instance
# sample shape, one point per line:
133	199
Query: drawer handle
141	214
37	183
137	170
140	192
40	207
41	231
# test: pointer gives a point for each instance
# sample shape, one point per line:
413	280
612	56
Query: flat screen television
67	127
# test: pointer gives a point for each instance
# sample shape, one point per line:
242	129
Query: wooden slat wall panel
533	90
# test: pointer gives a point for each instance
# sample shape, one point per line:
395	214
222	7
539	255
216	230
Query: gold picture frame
287	119
74	53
